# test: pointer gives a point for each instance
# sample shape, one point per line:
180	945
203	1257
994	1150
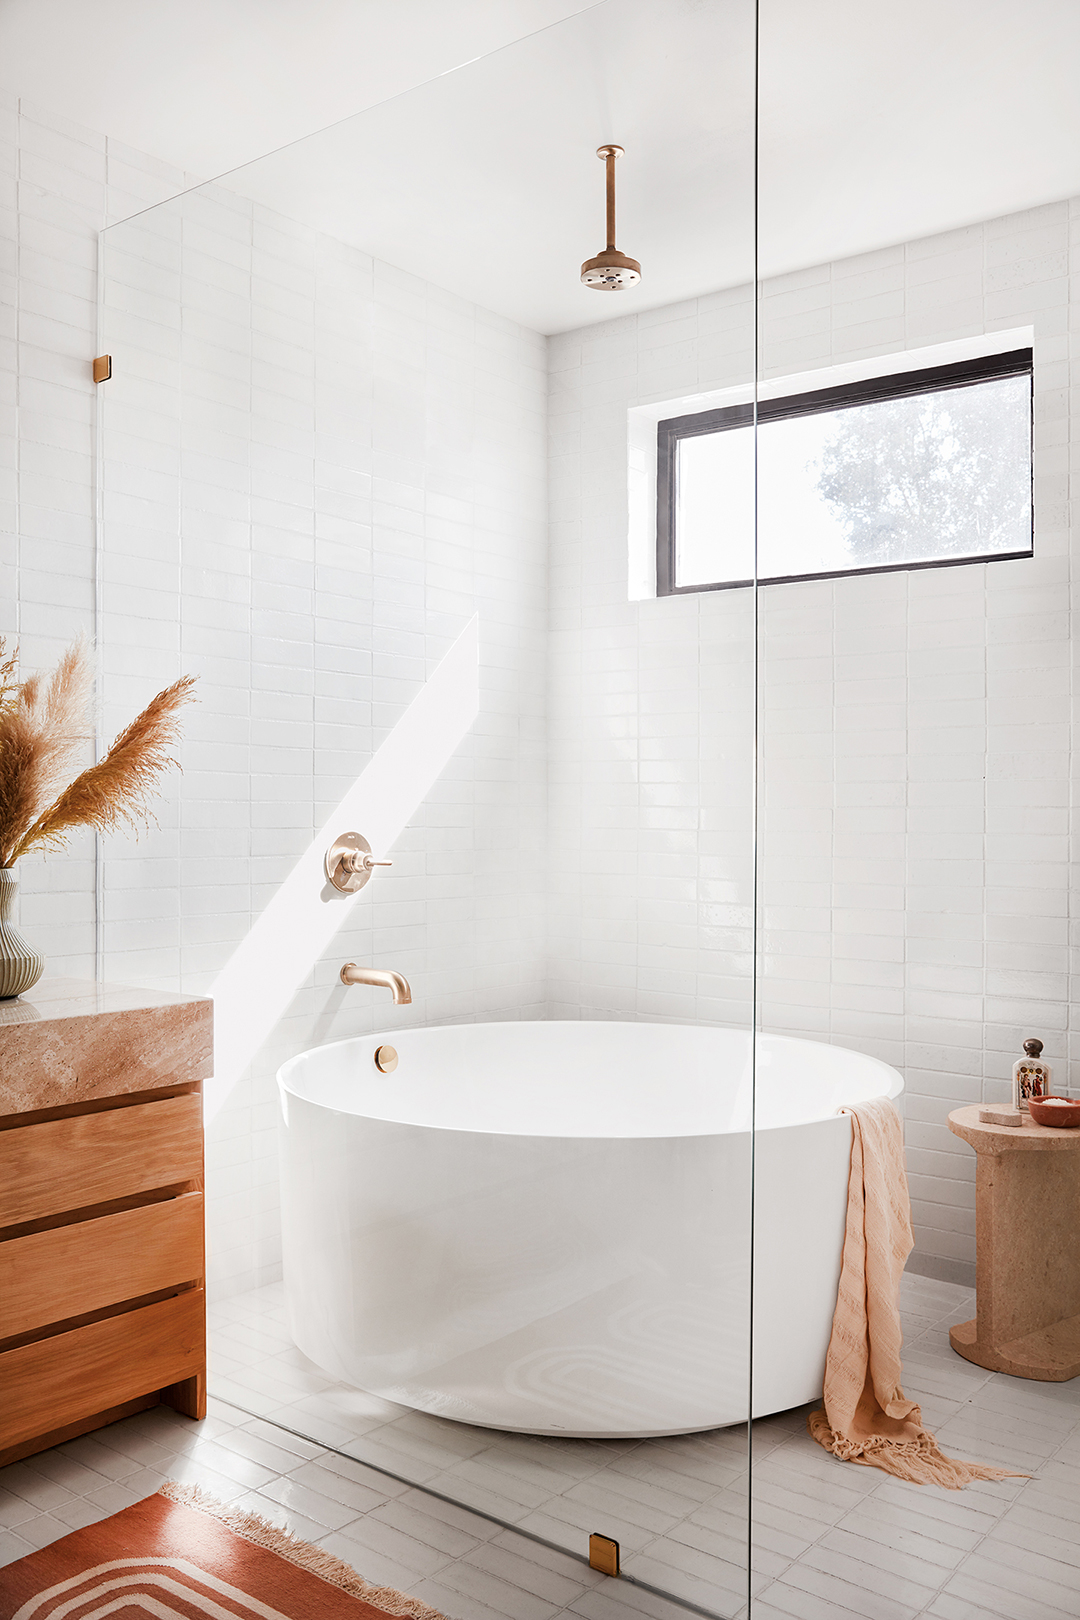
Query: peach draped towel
866	1418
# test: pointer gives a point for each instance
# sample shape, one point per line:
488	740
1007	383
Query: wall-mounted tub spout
396	983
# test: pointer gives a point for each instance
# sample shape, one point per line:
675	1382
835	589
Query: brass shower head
611	270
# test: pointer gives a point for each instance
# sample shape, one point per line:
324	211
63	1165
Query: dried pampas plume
44	725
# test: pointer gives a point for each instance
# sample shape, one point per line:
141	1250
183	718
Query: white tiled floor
830	1539
638	1491
394	1535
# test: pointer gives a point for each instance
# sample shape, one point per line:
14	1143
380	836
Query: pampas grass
45	726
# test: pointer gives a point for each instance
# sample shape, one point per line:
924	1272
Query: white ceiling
210	84
885	120
879	122
487	182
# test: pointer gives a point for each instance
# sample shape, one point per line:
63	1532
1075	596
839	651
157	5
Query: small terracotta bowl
1060	1112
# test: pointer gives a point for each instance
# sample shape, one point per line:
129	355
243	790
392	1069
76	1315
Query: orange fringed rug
183	1555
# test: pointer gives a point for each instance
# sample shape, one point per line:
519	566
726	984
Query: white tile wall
59	184
918	750
318	468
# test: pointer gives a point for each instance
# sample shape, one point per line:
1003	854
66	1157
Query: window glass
924	477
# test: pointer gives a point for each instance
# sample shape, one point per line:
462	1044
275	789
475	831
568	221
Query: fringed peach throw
866	1418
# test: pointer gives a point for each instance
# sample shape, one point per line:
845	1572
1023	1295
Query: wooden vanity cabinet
102	1269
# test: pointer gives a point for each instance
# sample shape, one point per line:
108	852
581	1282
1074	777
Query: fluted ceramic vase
20	966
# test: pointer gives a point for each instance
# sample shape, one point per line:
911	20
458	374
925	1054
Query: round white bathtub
547	1226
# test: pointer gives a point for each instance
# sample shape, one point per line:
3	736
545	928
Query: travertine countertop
1024	1138
68	1040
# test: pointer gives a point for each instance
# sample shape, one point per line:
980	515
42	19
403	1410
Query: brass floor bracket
604	1555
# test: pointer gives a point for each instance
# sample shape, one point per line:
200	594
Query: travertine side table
1027	1258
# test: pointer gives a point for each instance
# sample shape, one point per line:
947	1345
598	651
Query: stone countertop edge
72	1040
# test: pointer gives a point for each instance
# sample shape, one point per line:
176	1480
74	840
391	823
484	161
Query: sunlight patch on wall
269	966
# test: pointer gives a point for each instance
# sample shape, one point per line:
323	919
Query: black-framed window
917	470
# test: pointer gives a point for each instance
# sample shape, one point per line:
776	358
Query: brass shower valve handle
349	863
355	862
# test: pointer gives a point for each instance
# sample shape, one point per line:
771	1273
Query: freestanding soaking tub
547	1226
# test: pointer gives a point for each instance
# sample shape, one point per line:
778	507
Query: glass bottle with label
1031	1076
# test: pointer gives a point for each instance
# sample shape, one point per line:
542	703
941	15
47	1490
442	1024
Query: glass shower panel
917	219
382	472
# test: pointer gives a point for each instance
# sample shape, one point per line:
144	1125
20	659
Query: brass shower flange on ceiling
610	271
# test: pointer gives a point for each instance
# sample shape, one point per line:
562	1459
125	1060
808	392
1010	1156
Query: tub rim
895	1089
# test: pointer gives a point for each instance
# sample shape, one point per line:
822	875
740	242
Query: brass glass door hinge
604	1555
103	368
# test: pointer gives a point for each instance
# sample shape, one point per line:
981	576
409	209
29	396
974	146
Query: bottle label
1031	1078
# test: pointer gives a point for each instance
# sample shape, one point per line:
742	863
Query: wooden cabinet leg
188	1396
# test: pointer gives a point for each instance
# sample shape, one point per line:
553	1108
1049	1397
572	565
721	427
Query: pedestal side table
1027	1259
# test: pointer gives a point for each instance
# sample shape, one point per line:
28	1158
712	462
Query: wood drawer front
71	1270
62	1164
57	1381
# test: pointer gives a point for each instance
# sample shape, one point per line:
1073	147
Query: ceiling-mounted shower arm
609	154
611	270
